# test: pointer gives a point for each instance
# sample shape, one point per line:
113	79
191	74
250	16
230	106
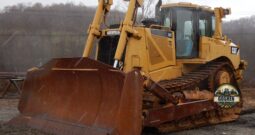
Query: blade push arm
126	28
94	29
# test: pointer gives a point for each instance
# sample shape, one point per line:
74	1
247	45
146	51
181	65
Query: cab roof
189	5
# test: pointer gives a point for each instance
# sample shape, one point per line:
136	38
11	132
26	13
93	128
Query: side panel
161	50
134	58
211	49
156	55
166	73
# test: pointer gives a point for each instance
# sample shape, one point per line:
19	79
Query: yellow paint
155	55
94	29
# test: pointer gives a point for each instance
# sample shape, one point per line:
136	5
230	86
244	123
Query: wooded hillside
31	35
242	32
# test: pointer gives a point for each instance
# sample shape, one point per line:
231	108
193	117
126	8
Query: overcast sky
240	8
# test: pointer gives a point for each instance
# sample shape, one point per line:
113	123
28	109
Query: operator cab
189	22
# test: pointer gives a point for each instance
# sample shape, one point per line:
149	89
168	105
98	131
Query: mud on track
243	126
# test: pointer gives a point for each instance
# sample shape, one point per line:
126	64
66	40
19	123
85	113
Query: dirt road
243	126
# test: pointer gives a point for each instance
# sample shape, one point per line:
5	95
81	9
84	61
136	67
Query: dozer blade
80	96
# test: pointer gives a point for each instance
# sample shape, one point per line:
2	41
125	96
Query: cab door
185	26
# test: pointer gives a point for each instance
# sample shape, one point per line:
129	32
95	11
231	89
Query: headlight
113	33
234	50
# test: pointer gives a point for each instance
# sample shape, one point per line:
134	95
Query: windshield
106	49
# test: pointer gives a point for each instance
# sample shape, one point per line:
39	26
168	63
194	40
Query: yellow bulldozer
162	74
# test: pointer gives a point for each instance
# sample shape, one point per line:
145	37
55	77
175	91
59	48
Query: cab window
205	23
213	24
167	18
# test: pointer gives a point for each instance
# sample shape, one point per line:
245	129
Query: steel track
191	81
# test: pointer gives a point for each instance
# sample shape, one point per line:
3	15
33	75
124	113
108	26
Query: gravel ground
8	109
243	126
8	130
